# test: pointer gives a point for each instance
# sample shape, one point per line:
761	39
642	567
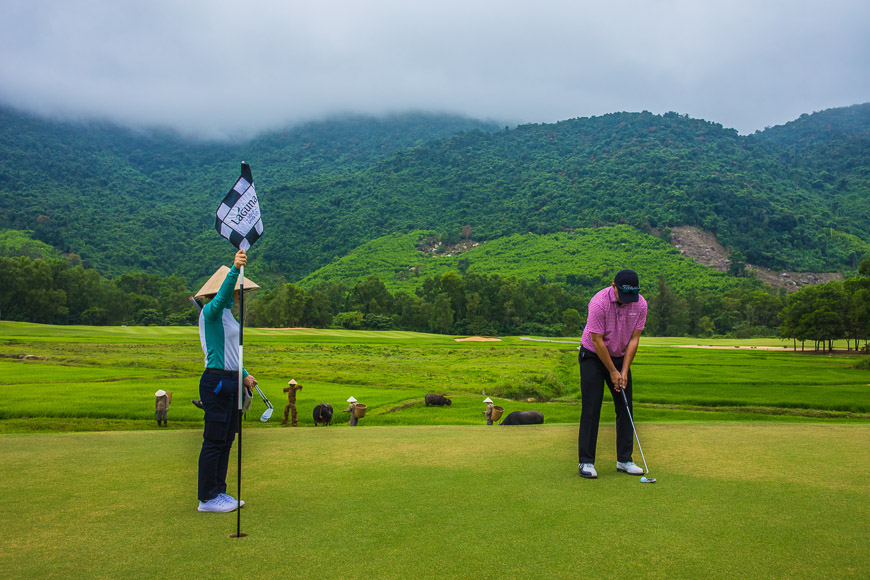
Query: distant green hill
587	257
16	243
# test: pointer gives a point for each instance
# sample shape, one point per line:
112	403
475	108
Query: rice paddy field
759	452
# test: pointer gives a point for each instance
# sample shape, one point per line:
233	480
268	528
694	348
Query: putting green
732	500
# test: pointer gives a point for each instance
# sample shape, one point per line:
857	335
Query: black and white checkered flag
238	217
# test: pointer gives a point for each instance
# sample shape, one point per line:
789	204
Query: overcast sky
225	69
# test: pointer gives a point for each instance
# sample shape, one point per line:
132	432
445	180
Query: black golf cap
627	285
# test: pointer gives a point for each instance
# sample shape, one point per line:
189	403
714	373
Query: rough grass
732	500
102	378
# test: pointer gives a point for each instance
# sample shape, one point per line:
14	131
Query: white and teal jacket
218	329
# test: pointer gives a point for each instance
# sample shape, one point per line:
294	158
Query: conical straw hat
211	287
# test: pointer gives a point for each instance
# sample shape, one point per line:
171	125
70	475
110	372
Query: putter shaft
628	410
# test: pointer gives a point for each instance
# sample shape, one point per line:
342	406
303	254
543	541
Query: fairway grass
761	500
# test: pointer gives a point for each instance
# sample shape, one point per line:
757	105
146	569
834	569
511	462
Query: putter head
646	479
267	414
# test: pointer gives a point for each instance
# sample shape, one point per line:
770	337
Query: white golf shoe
587	470
233	500
221	505
628	467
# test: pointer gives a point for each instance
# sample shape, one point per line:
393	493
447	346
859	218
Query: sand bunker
478	339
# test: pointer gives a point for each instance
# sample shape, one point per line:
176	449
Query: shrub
377	322
148	317
350	320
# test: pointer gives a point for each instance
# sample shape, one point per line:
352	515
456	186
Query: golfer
219	385
617	316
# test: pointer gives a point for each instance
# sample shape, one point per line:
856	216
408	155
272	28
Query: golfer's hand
241	259
250	382
616	378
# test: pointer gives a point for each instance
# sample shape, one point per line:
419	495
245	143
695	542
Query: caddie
219	384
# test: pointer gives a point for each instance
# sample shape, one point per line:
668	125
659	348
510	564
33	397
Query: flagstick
241	398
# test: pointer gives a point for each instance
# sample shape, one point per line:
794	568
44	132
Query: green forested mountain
644	170
125	200
828	154
793	197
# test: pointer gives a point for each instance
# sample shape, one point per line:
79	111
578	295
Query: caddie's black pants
593	376
220	400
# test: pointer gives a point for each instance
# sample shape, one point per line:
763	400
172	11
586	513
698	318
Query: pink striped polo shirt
615	322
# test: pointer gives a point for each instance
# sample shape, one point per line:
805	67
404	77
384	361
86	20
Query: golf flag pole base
238	535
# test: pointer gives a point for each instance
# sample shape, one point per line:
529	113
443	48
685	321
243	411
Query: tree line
489	304
832	311
61	291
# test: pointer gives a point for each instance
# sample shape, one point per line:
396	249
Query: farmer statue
292	387
488	412
352	409
161	405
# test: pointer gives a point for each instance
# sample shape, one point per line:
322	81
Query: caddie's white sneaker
220	505
629	467
587	470
233	500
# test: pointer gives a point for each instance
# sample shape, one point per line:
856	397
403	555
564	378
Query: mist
222	70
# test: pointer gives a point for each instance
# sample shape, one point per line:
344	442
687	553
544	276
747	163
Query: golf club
267	414
643	479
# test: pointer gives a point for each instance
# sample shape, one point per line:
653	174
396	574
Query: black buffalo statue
437	400
323	414
523	418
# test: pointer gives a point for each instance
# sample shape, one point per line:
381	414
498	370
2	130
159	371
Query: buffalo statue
523	418
437	400
323	414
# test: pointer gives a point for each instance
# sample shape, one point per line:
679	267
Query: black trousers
593	376
220	400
